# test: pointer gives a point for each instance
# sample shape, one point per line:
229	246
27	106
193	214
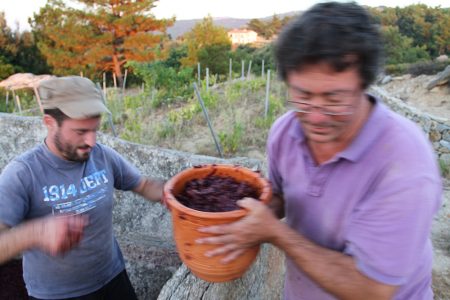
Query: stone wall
436	128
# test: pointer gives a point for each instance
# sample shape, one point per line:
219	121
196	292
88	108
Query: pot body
186	221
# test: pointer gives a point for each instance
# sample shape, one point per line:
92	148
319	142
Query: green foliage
396	69
18	52
165	129
399	48
170	83
248	53
416	69
6	69
176	53
426	68
445	168
230	141
419	29
215	58
202	35
268	29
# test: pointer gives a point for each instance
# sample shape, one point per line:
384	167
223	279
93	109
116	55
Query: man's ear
50	122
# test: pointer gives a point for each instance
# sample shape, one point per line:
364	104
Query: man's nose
317	116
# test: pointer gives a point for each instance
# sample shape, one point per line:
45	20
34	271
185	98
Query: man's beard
68	151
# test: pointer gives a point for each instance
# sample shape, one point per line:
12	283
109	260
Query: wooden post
262	69
38	99
115	80
18	103
14	99
207	79
198	74
124	82
242	71
104	84
7	98
81	73
230	70
266	105
109	113
249	69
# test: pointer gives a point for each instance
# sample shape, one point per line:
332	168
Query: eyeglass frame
322	108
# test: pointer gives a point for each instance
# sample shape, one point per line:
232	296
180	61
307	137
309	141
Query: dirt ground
412	90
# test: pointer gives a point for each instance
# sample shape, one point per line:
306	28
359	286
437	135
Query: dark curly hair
342	35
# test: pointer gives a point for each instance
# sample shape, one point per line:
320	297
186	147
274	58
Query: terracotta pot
186	221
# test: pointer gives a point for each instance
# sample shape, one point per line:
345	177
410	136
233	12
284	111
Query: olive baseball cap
75	96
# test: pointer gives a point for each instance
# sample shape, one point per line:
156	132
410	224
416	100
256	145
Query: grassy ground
236	111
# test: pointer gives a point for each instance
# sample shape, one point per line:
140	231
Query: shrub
426	68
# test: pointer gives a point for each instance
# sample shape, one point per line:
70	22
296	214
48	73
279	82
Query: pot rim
265	196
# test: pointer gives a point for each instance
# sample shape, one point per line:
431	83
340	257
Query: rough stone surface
441	78
436	128
264	280
441	244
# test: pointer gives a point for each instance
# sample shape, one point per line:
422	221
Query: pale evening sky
18	11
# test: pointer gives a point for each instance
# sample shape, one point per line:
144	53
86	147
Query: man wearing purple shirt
358	185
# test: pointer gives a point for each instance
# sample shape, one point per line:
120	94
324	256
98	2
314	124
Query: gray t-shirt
39	183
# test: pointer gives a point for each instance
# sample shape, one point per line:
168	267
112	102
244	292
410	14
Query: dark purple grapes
215	194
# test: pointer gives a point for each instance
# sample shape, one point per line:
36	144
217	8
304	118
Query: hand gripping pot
185	222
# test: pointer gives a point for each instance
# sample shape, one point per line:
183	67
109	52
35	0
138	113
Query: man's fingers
217	229
215	240
232	256
247	203
220	250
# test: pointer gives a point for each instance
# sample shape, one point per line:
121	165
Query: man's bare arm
53	235
150	189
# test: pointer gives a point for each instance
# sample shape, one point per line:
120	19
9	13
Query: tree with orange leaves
98	35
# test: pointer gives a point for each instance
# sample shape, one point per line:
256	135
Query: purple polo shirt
374	201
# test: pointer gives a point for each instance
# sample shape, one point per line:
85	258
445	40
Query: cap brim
83	109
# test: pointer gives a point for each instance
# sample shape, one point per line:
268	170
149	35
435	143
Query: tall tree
202	35
98	35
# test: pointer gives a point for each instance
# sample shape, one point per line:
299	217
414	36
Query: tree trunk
117	70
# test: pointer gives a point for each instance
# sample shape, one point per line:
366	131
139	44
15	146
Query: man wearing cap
58	197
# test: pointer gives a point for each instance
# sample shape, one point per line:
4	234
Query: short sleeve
14	198
126	176
273	174
389	230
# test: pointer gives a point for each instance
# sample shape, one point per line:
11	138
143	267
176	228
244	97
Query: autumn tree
98	35
204	34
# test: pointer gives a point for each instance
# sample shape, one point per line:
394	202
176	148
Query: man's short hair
342	35
77	97
56	114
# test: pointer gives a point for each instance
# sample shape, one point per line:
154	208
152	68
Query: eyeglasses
329	110
338	102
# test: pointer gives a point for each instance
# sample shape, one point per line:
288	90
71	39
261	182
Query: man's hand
236	237
56	235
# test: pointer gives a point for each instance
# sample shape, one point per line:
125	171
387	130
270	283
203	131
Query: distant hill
182	26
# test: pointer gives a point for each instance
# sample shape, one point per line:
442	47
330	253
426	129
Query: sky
18	11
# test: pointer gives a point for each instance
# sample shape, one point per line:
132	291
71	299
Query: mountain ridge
182	26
